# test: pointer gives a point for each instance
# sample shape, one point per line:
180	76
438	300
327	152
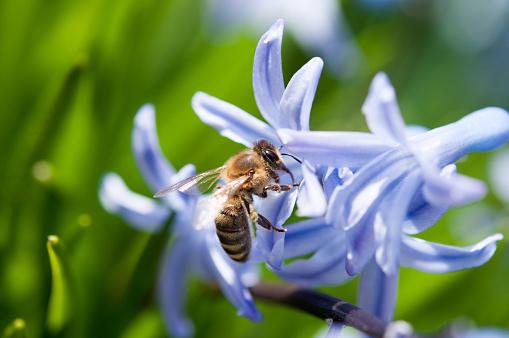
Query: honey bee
247	173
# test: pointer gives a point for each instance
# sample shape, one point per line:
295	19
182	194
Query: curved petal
153	165
140	212
298	96
382	111
230	121
311	201
325	267
308	236
421	214
228	276
388	223
173	289
377	292
178	201
482	130
335	149
446	188
268	84
440	258
277	207
334	177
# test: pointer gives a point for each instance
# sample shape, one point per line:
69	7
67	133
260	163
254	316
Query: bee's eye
270	155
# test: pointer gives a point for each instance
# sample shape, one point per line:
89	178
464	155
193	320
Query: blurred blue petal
382	111
268	84
153	166
298	96
499	179
440	258
142	213
230	121
335	329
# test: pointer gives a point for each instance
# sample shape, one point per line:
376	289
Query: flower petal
141	213
422	215
268	84
173	288
498	167
277	207
446	188
388	222
325	267
335	329
229	278
377	291
482	130
155	169
230	121
440	258
311	201
298	96
382	111
335	149
307	236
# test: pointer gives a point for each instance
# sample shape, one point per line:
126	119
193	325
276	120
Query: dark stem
322	306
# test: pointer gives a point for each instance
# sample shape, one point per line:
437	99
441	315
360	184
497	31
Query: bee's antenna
295	158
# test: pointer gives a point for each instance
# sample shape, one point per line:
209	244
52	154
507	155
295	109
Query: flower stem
321	305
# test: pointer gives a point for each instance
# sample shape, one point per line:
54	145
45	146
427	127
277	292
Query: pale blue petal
422	215
173	288
268	84
482	130
450	190
388	223
360	244
382	111
334	177
227	275
440	258
230	121
307	236
311	201
140	212
277	207
377	292
485	332
299	95
152	164
325	267
335	149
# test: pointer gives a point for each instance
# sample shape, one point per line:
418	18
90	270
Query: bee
253	171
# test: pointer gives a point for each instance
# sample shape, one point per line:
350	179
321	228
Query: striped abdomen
233	230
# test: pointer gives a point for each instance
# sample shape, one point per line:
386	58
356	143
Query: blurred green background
74	73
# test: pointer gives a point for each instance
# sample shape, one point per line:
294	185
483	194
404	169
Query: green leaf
60	303
16	329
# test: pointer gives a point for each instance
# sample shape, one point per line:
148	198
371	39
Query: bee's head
271	156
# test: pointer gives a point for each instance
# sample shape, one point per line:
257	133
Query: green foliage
73	74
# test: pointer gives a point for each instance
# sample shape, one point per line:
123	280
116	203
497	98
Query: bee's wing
211	206
194	185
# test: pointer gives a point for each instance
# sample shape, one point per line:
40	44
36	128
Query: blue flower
193	252
282	108
401	186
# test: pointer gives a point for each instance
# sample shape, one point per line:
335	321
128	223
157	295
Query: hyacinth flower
281	107
193	252
401	186
317	26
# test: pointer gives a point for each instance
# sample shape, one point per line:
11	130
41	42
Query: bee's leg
265	223
279	187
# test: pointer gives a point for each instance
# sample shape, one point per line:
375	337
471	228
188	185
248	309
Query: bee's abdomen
232	226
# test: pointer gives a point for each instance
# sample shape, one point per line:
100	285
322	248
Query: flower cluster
365	194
